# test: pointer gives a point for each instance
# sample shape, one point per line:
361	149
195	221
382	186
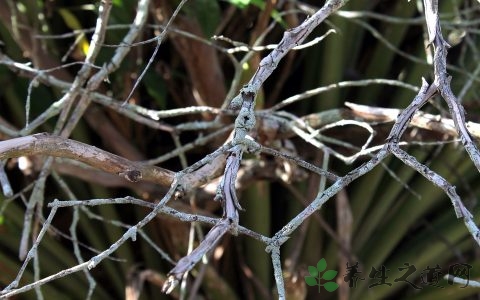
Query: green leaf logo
316	276
313	271
329	275
321	265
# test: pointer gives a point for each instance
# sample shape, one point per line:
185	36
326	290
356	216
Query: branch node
131	175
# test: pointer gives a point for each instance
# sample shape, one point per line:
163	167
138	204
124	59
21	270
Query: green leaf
240	3
330	286
74	23
311	281
312	271
260	4
329	275
321	265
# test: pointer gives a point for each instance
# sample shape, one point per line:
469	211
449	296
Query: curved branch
45	144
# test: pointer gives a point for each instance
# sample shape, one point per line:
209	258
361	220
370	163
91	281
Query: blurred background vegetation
389	217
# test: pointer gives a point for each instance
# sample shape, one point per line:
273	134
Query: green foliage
242	4
398	216
207	13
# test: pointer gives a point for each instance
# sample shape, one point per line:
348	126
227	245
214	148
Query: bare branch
44	144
